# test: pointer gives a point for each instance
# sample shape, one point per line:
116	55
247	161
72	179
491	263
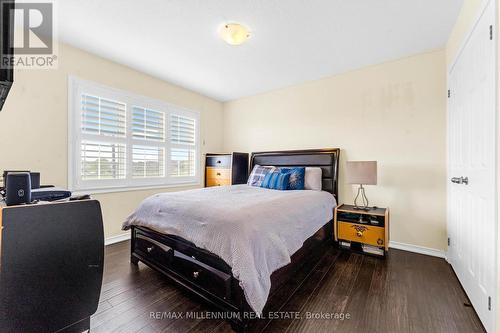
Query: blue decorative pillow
297	177
276	180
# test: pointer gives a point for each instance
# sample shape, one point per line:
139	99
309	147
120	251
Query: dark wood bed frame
207	275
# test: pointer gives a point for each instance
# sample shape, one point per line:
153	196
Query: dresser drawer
204	276
218	173
219	161
153	249
218	182
361	233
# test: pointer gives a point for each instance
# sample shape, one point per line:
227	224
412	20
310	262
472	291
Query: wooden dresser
226	169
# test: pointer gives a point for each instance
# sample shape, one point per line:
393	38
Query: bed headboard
326	159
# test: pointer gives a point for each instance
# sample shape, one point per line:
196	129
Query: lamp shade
362	172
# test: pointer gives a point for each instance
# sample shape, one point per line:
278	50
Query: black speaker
35	177
17	188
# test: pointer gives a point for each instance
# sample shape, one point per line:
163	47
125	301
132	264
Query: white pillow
312	179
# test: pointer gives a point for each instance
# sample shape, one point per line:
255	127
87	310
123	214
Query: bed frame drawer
204	276
155	250
362	233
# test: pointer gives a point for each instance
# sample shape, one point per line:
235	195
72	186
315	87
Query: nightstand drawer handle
196	274
359	230
218	173
150	249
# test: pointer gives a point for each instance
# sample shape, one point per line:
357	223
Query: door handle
460	180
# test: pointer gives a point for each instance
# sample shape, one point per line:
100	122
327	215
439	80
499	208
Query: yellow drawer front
361	233
218	173
218	182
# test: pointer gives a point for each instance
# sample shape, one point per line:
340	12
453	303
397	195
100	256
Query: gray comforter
254	230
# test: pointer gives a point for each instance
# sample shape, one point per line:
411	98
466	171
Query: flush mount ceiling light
234	33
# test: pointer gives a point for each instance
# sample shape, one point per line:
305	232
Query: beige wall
394	113
33	123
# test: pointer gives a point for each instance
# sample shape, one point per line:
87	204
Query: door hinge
449	93
448	241
491	32
489	303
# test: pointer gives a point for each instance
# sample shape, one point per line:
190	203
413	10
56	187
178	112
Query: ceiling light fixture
234	33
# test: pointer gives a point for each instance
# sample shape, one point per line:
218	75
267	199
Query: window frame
77	87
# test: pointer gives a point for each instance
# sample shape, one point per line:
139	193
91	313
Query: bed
179	249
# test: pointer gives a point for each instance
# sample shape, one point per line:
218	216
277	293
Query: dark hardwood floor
407	292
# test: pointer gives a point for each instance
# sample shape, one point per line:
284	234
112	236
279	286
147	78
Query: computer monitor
7	48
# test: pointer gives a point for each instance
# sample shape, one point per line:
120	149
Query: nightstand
363	231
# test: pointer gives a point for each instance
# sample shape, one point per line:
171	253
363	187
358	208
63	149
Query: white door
471	163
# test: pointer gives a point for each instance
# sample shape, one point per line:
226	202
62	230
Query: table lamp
361	173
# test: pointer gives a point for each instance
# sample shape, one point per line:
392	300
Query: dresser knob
196	274
219	162
359	233
149	249
218	173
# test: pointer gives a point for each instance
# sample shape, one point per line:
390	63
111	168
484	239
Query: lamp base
363	208
364	199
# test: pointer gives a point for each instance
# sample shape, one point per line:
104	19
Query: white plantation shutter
102	116
182	130
148	124
182	162
148	158
121	140
183	151
148	161
102	160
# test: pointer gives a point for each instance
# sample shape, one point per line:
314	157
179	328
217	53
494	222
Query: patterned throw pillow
276	180
258	173
297	176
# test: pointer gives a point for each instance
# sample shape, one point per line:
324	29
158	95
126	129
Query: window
183	146
120	140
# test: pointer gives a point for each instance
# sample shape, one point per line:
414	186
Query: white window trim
75	87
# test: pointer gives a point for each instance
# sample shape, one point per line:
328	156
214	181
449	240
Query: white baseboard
395	245
117	238
418	249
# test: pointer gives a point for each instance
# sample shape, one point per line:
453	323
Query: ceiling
292	41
